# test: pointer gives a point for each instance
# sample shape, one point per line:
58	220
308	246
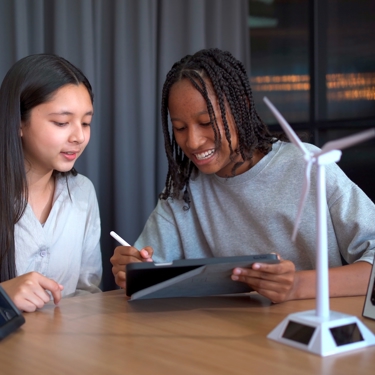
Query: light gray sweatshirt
255	212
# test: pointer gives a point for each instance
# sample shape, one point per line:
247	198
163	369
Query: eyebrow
197	114
67	113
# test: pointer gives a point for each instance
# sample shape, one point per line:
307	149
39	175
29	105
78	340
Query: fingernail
235	278
256	266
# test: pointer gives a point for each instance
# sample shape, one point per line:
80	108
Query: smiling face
57	131
194	134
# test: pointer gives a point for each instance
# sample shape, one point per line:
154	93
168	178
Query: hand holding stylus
119	239
124	255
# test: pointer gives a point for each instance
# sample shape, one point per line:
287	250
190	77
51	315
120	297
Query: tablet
10	317
189	277
369	306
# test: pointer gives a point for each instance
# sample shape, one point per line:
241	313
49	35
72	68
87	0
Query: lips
70	152
70	155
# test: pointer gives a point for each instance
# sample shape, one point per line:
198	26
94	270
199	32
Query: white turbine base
323	336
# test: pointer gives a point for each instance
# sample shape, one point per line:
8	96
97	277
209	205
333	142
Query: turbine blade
287	128
305	191
345	142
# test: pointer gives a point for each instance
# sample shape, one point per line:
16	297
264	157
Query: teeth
204	155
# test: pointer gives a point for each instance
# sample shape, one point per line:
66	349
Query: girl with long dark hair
49	216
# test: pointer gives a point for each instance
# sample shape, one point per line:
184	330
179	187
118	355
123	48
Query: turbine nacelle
329	157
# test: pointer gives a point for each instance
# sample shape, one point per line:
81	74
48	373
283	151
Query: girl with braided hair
233	188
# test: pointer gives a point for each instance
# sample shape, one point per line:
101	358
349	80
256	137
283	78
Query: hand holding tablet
189	277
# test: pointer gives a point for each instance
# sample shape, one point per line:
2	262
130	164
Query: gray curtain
125	47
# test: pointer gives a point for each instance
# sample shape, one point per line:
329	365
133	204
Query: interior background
315	59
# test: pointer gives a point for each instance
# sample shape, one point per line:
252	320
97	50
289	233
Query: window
315	60
324	45
279	50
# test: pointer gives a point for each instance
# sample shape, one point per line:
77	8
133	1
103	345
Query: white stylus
119	239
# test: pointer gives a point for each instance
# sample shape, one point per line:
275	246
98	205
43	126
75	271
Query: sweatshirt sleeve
162	234
353	218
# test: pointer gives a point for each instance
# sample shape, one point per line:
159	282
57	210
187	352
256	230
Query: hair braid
216	70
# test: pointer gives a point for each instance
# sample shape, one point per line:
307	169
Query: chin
63	170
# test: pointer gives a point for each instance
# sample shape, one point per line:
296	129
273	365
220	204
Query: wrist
294	291
304	285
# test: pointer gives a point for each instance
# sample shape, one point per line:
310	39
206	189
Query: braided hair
229	81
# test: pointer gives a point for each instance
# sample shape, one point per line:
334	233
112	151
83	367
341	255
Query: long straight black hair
31	81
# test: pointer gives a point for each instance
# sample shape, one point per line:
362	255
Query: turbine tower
321	331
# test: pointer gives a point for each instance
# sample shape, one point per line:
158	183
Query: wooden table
105	334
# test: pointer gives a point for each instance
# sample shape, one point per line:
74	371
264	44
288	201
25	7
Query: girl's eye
206	124
60	123
86	124
178	129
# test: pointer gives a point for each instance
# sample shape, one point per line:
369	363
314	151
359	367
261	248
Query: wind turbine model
321	331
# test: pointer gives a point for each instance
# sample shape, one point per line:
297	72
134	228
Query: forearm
350	280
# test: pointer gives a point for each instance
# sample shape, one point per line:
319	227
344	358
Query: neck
248	164
38	182
257	156
41	188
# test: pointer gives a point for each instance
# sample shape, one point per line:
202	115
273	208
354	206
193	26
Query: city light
340	87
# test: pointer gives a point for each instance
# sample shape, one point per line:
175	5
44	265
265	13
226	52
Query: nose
77	135
195	138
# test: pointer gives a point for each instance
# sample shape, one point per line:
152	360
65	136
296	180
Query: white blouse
66	247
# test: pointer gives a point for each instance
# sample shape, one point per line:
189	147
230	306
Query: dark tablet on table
369	306
10	317
189	277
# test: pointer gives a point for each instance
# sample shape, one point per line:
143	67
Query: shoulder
78	187
169	207
285	159
337	182
289	149
80	182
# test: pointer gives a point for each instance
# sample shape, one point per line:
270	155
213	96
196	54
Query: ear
21	131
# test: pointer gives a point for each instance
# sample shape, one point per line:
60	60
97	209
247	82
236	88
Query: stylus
119	239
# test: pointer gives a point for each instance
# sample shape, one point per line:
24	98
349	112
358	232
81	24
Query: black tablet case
189	277
10	317
369	305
